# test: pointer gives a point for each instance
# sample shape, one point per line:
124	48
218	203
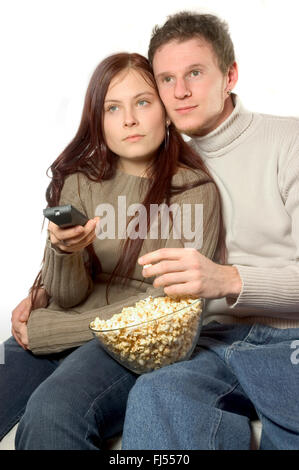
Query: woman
125	150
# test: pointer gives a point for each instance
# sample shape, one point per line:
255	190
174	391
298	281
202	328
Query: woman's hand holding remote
73	239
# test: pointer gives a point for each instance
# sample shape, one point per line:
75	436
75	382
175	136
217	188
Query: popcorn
146	337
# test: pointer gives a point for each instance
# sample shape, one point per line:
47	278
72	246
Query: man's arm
185	271
20	315
257	287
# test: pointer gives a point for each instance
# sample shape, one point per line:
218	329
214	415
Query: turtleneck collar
228	134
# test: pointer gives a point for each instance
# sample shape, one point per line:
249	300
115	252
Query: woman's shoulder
185	175
198	186
75	181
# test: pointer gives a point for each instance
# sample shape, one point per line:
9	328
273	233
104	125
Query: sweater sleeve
54	331
276	289
64	274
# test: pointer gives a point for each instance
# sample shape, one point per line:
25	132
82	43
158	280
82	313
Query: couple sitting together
242	169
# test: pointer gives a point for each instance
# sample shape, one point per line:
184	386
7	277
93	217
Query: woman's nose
130	120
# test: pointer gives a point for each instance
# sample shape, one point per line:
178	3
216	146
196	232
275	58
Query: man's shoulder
279	118
288	124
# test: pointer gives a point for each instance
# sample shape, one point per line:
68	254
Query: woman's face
134	118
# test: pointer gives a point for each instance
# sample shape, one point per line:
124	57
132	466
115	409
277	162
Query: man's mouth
186	109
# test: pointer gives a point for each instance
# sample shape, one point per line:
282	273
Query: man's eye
167	79
195	73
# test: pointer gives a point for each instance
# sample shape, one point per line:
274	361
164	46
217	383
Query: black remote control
65	216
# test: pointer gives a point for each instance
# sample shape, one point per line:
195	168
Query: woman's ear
168	122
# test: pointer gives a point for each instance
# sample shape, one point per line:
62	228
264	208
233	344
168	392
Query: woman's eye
142	102
112	108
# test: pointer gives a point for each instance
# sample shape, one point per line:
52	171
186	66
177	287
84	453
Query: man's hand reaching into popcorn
186	272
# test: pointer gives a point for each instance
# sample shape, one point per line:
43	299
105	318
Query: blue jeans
236	373
77	403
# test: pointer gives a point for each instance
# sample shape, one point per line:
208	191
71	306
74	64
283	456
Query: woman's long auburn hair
88	153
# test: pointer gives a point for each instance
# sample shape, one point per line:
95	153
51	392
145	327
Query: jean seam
15	420
266	338
234	345
118	380
215	429
219	414
249	333
233	387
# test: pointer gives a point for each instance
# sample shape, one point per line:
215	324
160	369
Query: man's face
192	86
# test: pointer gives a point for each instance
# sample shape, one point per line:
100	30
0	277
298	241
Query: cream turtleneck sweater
254	159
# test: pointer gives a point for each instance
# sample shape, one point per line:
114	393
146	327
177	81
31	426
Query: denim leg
195	404
20	375
270	379
80	405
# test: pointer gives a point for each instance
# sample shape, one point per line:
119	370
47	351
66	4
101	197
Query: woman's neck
133	168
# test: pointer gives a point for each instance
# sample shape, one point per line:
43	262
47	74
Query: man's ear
232	77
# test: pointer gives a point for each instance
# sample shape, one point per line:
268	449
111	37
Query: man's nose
181	91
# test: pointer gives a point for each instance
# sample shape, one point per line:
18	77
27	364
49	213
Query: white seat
8	442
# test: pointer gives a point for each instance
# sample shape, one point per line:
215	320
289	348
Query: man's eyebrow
134	97
192	66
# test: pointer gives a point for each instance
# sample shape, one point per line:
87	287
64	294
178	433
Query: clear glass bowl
149	345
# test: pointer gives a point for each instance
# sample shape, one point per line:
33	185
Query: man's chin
190	131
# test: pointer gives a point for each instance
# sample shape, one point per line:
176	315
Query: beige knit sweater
254	159
75	298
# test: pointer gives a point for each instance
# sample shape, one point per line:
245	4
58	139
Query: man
242	366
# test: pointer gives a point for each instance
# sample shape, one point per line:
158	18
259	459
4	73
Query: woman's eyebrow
134	97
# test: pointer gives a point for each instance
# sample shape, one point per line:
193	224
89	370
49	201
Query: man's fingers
21	309
172	279
166	254
189	289
159	255
163	267
17	338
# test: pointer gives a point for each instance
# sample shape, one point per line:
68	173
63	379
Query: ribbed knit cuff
275	289
65	276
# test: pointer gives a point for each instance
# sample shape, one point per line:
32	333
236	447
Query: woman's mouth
133	138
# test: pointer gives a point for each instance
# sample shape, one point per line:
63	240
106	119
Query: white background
49	49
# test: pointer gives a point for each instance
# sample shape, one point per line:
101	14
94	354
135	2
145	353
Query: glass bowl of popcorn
152	333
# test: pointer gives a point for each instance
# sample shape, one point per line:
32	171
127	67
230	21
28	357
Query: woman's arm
51	331
64	274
